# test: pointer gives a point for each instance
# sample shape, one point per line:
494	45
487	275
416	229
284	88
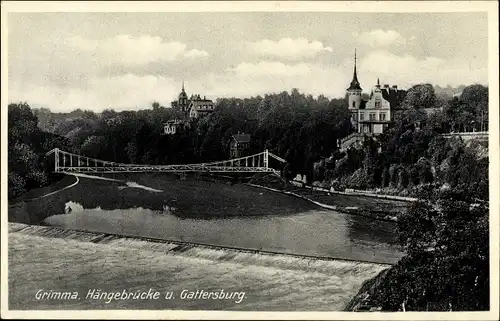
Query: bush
16	185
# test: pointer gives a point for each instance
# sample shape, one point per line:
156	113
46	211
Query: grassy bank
188	196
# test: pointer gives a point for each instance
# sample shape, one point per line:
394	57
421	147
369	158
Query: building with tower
187	109
372	116
182	102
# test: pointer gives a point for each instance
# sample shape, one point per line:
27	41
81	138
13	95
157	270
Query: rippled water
322	233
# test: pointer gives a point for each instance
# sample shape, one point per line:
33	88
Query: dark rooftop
242	138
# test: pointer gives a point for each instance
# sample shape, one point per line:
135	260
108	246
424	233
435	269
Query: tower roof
354	82
182	94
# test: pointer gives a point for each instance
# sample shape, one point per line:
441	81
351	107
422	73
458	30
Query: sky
125	61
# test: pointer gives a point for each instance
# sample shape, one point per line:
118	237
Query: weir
203	251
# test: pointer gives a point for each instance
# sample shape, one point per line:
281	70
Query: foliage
26	145
446	267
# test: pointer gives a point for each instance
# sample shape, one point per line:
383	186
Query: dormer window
377	103
353	104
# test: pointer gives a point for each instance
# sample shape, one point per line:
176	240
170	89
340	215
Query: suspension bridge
74	163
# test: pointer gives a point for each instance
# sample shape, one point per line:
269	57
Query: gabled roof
242	138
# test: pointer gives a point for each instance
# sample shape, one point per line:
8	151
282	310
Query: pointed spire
183	85
355	76
354	83
378	82
355	58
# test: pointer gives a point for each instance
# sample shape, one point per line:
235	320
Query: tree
419	97
25	150
404	179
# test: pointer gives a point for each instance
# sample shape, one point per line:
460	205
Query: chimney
386	86
395	87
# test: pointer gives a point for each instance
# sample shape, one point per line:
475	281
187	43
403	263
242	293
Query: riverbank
195	196
382	207
188	197
362	300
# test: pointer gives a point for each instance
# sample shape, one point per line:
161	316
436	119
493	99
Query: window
353	104
382	116
355	116
361	116
372	116
377	103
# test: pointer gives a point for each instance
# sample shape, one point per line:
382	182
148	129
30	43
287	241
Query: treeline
302	129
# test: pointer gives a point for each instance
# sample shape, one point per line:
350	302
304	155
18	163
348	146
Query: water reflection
323	233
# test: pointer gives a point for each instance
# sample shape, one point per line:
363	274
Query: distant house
173	126
199	107
193	107
432	110
240	144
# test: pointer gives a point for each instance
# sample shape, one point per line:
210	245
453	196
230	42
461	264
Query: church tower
354	95
354	90
183	99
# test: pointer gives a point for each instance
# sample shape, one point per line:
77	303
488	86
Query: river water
319	232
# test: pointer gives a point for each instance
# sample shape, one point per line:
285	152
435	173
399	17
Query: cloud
268	68
264	77
380	38
120	93
194	53
98	91
127	50
288	48
407	70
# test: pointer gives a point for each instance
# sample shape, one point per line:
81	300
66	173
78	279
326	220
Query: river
318	232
